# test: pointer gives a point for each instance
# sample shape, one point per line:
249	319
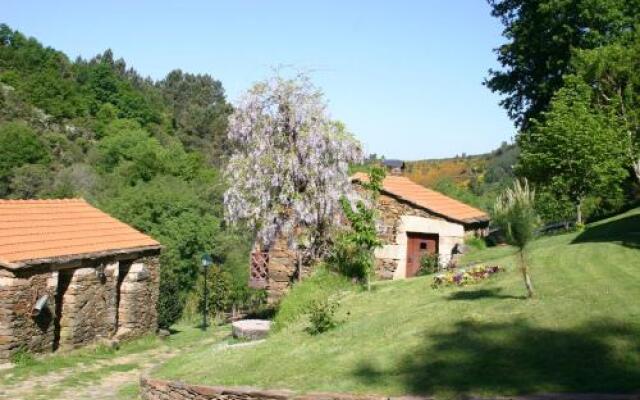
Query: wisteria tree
290	166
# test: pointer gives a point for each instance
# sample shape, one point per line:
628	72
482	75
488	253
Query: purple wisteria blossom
290	165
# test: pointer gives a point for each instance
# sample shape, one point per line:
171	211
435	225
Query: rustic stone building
71	274
413	221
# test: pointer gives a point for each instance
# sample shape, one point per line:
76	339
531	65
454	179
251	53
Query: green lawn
580	334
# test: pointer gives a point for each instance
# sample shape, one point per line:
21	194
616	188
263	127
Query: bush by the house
322	316
428	264
461	277
170	303
476	243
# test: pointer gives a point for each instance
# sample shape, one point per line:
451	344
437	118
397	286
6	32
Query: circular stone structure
250	329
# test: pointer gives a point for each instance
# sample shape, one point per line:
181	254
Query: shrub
350	259
429	264
353	251
322	316
476	243
170	302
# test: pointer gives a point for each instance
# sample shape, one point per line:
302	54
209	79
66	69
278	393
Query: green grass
321	285
129	392
185	336
581	333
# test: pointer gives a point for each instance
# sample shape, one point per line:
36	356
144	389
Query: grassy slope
580	334
186	337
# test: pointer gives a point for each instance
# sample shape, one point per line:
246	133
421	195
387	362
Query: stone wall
155	389
282	270
137	313
88	305
88	309
18	294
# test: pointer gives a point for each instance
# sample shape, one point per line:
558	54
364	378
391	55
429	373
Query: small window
423	245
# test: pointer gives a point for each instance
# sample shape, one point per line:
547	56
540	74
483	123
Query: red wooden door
419	244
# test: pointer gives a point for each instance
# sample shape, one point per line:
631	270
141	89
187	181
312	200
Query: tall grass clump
514	213
320	286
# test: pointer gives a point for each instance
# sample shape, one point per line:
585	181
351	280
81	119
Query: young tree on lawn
514	213
577	150
290	166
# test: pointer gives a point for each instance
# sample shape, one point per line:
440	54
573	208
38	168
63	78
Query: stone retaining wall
155	389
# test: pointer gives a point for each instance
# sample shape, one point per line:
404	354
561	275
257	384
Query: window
259	272
423	245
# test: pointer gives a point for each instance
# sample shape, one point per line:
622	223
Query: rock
251	329
109	343
163	333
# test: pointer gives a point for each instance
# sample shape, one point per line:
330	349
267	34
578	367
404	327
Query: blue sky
405	76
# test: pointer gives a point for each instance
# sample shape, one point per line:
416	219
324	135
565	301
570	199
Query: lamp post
206	263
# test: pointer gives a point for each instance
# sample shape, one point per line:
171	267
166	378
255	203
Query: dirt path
101	380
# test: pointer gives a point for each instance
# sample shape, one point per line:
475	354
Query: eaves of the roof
404	189
34	232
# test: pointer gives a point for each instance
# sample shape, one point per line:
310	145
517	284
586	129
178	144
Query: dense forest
569	80
148	152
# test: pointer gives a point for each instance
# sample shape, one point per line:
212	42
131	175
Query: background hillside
146	151
474	179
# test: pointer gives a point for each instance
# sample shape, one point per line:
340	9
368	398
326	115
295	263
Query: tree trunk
579	213
636	169
525	274
299	257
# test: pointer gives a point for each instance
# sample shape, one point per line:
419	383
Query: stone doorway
419	244
123	270
64	279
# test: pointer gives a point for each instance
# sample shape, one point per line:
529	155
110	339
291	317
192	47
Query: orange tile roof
435	202
36	231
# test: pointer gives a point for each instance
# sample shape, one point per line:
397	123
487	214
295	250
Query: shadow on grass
624	230
483	294
516	358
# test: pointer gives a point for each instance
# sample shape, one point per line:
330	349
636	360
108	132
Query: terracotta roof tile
407	190
37	230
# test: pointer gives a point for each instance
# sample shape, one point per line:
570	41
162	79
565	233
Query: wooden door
419	244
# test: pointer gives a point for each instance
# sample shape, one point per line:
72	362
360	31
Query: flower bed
465	276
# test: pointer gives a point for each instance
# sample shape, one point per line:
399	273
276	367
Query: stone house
413	221
70	275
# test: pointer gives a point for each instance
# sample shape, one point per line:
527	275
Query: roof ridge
43	201
432	200
43	229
